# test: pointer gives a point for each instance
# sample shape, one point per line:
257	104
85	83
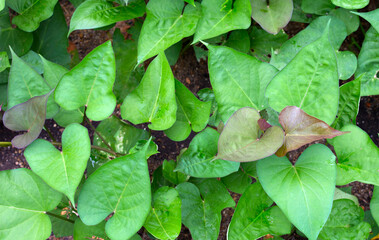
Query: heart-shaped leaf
315	87
29	116
303	192
61	170
254	217
357	157
301	128
345	222
121	187
351	21
164	220
237	182
199	159
241	139
100	13
175	24
351	4
347	64
191	113
31	13
374	205
216	20
372	17
238	80
154	99
273	15
90	84
24	200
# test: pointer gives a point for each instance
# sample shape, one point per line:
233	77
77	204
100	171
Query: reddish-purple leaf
301	128
263	124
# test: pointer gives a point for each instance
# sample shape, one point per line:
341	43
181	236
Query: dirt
195	76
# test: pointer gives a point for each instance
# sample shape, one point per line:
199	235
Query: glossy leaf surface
303	192
357	157
254	217
273	15
199	159
122	187
153	100
61	170
90	84
164	220
216	19
241	139
351	4
347	64
301	128
100	13
24	199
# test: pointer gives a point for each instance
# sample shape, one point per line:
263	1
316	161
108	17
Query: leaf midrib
160	224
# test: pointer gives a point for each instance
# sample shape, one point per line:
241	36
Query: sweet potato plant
270	95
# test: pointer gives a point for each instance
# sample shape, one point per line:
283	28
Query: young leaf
301	128
84	232
216	20
159	180
191	113
122	187
90	84
28	116
175	24
18	40
199	159
164	220
61	170
238	80
368	63
100	13
347	64
273	15
303	192
154	99
350	94
371	17
357	157
169	173
24	200
351	4
374	205
315	87
31	13
241	139
254	217
339	194
237	182
345	222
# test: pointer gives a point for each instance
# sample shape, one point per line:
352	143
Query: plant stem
49	133
5	144
60	217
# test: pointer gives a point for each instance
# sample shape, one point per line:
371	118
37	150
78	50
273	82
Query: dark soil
195	76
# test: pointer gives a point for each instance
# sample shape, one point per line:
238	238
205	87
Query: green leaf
169	173
65	117
192	2
24	200
122	187
301	129
254	217
351	4
90	84
50	38
374	226
154	99
2	4
372	17
62	228
339	194
31	13
206	94
191	113
172	53
347	64
241	139
298	15
273	15
238	80
348	103
374	205
315	89
351	21
319	7
174	25
4	61
216	20
18	40
199	160
200	213
345	222
84	232
164	220
239	40
34	61
61	170
368	62
357	157
237	182
303	192
158	180
250	168
30	117
100	13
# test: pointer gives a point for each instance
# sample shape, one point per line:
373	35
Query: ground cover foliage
269	95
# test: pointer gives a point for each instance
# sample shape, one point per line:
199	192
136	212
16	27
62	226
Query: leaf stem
49	133
60	217
5	144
